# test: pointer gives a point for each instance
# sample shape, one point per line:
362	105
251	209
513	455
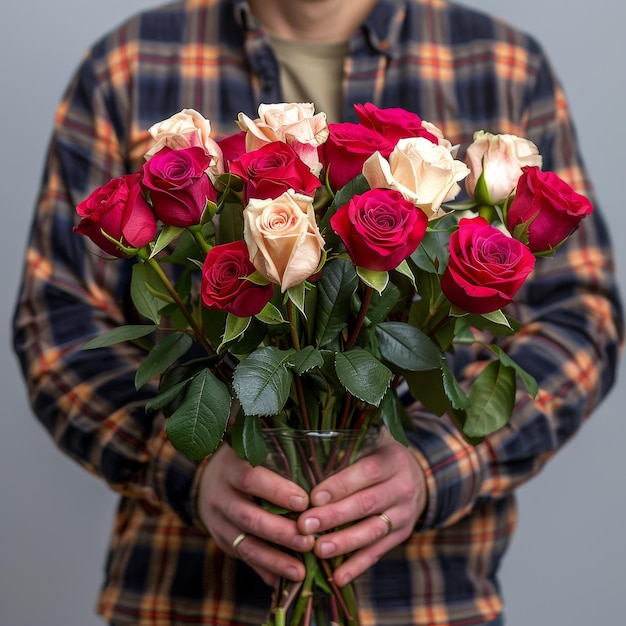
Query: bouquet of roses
296	275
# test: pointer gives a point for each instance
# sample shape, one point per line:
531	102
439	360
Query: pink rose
273	169
486	267
379	228
545	210
119	209
179	185
499	160
393	123
348	146
224	286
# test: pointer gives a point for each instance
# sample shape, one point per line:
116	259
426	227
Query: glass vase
307	457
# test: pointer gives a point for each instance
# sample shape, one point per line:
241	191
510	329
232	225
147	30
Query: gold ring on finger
385	518
237	542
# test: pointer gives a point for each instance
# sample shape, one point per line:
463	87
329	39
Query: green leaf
363	375
407	347
428	388
167	397
376	280
356	186
164	353
262	381
197	427
405	270
147	304
432	254
458	398
119	335
492	398
306	359
297	295
529	381
166	236
270	315
335	288
235	326
391	411
254	445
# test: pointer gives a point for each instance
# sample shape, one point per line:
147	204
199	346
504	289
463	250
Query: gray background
567	562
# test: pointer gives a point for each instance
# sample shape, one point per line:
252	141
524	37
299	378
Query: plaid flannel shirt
455	67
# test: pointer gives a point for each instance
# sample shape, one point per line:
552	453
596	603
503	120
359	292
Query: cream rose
293	123
283	238
424	173
187	129
500	159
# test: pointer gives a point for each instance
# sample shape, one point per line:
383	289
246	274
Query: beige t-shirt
312	72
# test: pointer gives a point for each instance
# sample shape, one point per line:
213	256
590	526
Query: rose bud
545	210
283	238
272	170
224	286
179	185
486	267
120	210
499	160
423	172
379	228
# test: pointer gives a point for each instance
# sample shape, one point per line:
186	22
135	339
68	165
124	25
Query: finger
249	517
267	560
373	468
260	482
357	506
363	559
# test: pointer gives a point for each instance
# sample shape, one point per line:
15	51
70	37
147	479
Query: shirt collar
381	28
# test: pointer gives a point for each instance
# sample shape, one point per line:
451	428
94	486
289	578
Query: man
190	544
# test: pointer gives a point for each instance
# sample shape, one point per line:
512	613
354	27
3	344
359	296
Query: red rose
224	286
272	170
348	146
545	210
120	210
232	147
379	228
179	185
393	123
486	267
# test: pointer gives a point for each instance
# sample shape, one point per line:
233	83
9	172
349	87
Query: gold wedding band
236	543
385	518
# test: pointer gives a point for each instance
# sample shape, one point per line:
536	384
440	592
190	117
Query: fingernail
311	524
297	503
321	498
300	542
326	548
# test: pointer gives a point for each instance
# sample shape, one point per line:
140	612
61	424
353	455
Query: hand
228	486
389	481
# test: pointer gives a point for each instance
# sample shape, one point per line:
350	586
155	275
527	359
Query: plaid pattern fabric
455	67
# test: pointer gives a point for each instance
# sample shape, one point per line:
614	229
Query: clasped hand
380	497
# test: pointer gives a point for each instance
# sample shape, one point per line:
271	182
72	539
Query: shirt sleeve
570	341
86	399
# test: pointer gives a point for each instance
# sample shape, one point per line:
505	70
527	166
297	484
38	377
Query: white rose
500	159
293	123
283	238
423	172
186	129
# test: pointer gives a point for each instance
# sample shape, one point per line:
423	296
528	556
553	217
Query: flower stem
365	303
297	380
180	304
196	232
